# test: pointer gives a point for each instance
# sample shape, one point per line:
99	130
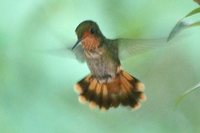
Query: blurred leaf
198	1
196	87
177	29
182	24
195	11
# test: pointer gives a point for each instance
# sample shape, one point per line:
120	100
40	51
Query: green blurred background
36	85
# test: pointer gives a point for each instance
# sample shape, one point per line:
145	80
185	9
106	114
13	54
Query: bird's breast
90	42
94	54
101	65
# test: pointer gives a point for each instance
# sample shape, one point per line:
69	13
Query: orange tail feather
124	89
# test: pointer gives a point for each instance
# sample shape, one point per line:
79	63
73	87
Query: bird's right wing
79	53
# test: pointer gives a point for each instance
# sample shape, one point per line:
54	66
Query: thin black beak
76	44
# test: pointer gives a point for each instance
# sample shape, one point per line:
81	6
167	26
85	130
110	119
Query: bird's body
103	62
107	85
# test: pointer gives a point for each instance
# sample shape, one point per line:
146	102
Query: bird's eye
92	30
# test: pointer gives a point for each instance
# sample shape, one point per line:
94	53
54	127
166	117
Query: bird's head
89	34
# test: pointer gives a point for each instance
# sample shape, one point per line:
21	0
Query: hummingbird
107	85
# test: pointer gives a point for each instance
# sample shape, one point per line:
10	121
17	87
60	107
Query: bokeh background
36	83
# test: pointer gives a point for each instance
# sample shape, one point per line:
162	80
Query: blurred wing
79	53
132	47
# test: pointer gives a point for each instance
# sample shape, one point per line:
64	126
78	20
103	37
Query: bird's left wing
132	47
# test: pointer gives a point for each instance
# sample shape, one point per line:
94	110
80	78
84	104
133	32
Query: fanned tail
124	89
